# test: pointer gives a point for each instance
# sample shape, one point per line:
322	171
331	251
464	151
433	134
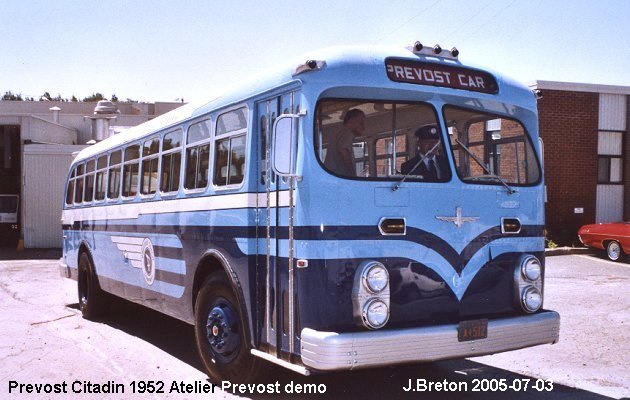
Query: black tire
614	251
220	335
92	302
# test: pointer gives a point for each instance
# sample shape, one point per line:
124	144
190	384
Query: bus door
274	237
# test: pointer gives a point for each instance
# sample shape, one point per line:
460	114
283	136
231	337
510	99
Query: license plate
472	330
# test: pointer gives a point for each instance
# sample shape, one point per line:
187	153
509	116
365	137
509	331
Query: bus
359	207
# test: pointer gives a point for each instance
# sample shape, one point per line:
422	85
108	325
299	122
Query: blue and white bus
360	207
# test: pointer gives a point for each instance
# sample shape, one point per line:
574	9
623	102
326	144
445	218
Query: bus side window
78	189
70	189
113	191
198	155
101	173
171	161
89	181
229	167
150	154
229	152
130	170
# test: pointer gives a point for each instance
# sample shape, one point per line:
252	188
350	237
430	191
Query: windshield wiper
482	165
404	178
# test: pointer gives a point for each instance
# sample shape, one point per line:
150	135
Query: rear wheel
613	251
91	297
220	334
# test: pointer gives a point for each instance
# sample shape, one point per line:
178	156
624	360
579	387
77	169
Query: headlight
370	295
528	284
375	277
375	313
530	267
531	299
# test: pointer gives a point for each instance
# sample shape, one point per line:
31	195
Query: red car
613	237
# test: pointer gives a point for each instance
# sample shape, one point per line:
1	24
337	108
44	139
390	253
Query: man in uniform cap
428	162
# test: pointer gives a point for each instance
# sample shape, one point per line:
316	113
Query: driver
429	162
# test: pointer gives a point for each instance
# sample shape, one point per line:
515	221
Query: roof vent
105	107
55	112
104	111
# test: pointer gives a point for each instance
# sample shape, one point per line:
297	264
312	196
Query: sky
158	50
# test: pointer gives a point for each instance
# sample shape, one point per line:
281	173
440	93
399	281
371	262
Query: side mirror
284	145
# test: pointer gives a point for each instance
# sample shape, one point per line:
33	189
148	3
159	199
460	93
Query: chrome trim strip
292	328
327	351
270	337
295	368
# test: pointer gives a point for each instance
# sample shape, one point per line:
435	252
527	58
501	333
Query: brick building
586	155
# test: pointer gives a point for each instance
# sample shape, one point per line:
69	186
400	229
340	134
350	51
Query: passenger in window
339	156
429	161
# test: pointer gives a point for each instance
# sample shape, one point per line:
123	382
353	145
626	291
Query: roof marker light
419	49
309	65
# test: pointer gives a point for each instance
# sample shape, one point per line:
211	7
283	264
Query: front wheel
220	334
613	251
91	297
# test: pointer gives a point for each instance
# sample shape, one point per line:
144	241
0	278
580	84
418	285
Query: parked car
613	237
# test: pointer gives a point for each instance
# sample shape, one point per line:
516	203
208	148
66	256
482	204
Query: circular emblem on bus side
148	261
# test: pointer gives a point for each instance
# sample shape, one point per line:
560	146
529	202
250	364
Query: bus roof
349	66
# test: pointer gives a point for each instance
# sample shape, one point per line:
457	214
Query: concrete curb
563	251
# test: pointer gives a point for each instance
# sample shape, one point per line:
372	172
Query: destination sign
432	74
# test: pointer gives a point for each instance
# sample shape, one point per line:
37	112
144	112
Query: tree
114	98
10	96
74	99
95	97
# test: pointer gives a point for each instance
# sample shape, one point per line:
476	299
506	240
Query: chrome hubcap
614	251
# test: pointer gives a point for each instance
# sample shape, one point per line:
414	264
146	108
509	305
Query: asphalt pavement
45	344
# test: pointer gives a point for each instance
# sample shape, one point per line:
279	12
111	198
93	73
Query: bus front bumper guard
328	351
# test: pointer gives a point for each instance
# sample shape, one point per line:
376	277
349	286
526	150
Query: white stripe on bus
206	203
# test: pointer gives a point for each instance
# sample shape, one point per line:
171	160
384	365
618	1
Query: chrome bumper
329	351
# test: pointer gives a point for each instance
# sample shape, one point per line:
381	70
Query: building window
610	158
384	152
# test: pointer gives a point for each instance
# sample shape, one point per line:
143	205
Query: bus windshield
490	149
380	140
